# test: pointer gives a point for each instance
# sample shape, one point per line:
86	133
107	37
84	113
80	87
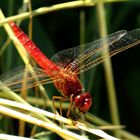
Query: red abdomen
50	68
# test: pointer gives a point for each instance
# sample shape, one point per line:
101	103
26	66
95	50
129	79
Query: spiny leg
54	107
71	108
61	99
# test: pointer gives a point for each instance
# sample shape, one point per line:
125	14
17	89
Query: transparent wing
82	58
25	78
72	55
78	59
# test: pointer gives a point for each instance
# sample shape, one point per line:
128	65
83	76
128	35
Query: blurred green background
60	30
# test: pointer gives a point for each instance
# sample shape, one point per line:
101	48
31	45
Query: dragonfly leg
73	110
70	106
54	107
61	99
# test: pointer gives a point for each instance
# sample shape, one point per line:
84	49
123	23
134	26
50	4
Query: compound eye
83	102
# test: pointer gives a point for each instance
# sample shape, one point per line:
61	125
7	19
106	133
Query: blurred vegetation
61	29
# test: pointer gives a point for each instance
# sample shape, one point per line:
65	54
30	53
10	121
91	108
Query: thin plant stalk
9	49
108	70
82	41
123	133
62	6
24	93
51	126
82	38
4	47
31	19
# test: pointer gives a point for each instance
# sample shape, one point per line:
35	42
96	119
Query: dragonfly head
83	102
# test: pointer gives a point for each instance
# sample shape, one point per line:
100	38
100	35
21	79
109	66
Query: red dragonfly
64	67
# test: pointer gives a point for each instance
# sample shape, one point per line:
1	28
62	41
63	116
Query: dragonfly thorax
68	84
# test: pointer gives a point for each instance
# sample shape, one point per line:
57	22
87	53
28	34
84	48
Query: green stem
31	20
124	134
62	6
10	49
108	70
82	38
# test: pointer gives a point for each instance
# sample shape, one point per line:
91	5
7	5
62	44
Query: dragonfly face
83	102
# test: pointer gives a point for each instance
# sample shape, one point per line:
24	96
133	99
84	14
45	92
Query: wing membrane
77	59
25	78
80	55
94	58
83	58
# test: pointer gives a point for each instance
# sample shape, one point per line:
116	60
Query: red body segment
50	67
68	84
